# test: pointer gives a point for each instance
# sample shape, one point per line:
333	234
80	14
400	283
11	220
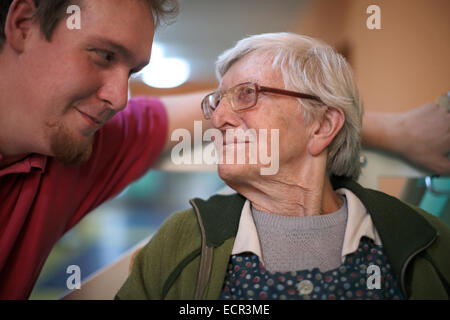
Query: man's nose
115	90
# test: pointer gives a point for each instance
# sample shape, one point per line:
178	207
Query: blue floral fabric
247	279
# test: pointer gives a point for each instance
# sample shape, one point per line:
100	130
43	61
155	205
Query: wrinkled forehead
255	67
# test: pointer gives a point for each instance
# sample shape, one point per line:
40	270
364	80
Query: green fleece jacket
189	255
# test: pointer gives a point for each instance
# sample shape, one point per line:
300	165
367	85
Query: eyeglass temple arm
289	93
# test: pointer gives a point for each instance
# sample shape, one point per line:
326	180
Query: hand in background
421	135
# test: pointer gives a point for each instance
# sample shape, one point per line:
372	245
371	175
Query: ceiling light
164	72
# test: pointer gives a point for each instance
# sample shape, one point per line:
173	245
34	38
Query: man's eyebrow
121	50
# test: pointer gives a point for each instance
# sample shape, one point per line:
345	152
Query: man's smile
91	120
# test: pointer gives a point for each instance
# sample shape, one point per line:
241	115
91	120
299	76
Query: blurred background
399	67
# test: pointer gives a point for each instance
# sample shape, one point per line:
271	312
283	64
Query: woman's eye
246	94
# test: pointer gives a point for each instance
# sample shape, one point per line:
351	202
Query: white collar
359	224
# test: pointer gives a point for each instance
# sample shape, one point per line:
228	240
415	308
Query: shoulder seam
174	274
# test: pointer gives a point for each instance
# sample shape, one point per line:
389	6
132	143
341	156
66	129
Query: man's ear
325	129
19	23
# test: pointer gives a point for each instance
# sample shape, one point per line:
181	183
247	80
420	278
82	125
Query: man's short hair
50	12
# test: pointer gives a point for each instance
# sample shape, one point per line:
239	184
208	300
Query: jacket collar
220	215
403	231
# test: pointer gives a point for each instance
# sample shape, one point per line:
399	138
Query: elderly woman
308	231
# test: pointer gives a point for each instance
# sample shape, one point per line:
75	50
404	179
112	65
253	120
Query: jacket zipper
205	259
408	260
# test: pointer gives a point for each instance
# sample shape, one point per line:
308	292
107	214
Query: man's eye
106	56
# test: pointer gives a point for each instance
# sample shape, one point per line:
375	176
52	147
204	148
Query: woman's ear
18	23
326	128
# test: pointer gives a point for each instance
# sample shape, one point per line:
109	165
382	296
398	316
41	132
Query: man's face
272	112
76	82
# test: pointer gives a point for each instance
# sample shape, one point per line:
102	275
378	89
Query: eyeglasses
244	96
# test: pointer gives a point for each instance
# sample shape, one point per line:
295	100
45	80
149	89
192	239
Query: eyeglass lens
244	96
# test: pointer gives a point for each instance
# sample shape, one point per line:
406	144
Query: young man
64	146
67	142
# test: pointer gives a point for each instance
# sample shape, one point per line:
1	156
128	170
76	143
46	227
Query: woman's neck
309	193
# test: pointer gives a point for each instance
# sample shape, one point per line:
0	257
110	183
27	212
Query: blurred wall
138	88
399	67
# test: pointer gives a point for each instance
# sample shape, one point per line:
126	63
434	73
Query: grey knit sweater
299	243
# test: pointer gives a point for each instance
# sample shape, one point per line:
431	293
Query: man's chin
70	152
74	157
68	146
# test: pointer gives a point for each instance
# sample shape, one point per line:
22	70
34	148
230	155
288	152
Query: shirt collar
247	238
359	224
25	165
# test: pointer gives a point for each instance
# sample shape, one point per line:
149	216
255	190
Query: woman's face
273	112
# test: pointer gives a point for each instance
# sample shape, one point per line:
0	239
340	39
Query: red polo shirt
41	199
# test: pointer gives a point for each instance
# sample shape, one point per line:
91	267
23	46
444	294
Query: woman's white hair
313	67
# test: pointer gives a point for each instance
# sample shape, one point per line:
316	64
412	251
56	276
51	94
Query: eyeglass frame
258	90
